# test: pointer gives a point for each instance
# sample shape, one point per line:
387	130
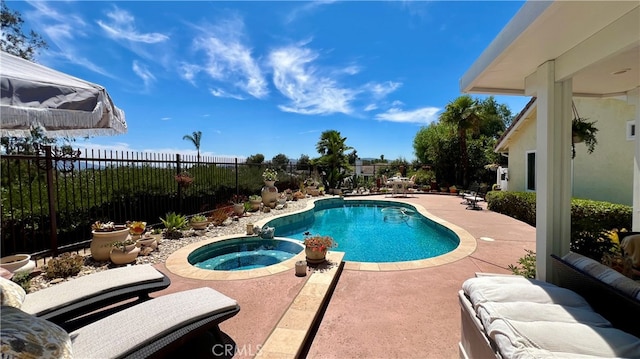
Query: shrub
519	205
23	279
588	218
527	266
64	265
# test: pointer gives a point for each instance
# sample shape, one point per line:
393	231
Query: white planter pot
101	243
14	262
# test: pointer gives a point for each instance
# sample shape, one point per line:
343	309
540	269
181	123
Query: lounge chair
86	294
154	328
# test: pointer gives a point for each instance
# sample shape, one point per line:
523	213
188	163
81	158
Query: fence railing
50	200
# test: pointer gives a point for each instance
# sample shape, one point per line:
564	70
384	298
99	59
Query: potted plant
123	252
238	204
270	176
198	222
255	201
583	131
453	189
174	223
136	228
316	247
103	235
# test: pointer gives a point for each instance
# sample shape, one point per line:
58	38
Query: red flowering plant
184	179
318	243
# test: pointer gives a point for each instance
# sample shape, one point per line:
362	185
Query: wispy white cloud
122	26
165	118
424	115
229	60
371	107
223	94
309	91
189	72
63	32
143	72
307	8
381	90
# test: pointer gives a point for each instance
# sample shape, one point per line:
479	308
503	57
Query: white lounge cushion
88	287
518	289
110	337
515	339
537	312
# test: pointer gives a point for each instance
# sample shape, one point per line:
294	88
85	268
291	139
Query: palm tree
463	113
333	159
195	139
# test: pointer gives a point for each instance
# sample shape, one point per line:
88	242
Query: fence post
52	201
178	170
237	185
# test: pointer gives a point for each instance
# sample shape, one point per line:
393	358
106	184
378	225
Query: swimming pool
371	230
243	253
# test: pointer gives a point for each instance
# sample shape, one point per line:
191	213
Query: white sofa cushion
519	289
517	339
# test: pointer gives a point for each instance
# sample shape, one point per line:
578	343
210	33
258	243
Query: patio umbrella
35	95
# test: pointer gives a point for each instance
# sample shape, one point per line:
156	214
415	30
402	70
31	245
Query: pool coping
178	264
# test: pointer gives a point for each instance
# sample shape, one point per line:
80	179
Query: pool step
292	332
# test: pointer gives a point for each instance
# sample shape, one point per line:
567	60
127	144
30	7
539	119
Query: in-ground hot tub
244	253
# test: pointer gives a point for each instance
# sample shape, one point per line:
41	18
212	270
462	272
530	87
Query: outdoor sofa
152	329
63	302
592	313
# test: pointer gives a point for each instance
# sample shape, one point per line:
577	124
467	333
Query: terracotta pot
238	208
315	257
148	242
101	243
118	256
199	225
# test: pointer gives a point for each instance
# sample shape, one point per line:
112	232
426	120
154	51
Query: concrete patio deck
409	313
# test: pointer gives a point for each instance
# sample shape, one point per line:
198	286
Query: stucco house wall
604	175
523	140
607	173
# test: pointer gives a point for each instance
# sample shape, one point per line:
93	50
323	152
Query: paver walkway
395	314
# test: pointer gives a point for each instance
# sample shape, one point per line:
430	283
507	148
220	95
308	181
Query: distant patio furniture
398	186
473	199
89	293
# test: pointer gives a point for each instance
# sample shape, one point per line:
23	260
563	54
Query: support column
553	168
633	98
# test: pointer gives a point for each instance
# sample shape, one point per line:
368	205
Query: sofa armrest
619	308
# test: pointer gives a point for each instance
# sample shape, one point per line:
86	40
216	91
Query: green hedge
588	218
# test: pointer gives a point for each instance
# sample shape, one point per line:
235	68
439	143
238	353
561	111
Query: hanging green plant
582	131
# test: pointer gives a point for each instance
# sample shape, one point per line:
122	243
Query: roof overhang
599	50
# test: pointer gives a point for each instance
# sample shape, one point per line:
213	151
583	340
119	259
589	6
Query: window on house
631	130
531	171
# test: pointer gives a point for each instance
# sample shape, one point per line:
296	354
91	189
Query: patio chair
472	200
152	329
82	295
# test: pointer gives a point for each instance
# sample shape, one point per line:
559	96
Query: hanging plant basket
582	130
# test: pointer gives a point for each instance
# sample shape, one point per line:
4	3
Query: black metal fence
49	201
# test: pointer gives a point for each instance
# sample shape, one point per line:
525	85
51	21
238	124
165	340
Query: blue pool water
243	253
372	231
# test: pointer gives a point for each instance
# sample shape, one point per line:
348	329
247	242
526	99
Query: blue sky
269	77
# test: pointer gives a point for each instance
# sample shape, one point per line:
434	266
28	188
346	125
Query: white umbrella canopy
34	95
